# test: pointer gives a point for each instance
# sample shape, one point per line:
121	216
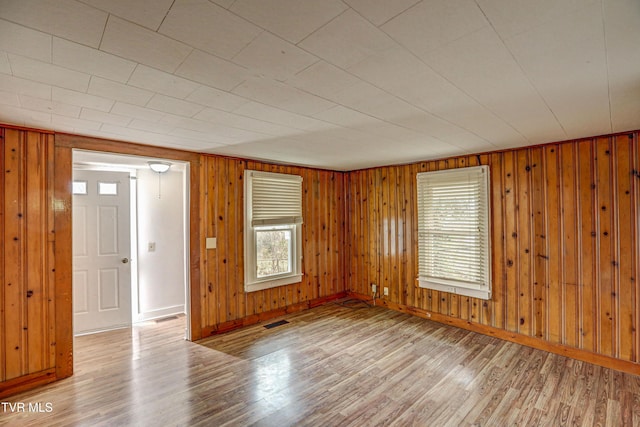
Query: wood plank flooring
330	366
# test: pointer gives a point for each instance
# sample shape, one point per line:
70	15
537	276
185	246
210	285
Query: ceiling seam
399	97
235	55
377	87
165	16
302	90
39	30
230	6
493	113
136	66
321	27
308	66
104	30
360	107
395	16
522	69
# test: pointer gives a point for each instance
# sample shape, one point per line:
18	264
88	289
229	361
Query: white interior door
101	251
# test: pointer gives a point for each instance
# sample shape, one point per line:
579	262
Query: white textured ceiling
328	83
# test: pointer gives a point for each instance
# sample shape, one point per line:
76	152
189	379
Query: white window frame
256	219
478	257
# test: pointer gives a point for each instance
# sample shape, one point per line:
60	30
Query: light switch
211	242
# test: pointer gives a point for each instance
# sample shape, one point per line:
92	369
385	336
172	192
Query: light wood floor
330	366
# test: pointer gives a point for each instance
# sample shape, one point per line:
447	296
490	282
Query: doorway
101	251
153	281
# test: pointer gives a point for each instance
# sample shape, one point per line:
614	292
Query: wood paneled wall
224	302
36	343
27	316
565	246
565	243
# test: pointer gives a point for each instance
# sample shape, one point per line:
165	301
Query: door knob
125	260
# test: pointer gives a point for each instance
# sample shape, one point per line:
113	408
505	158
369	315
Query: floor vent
274	324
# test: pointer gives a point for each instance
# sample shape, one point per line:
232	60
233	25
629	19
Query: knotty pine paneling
36	333
565	246
223	300
565	243
27	318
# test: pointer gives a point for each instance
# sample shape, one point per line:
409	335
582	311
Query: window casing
273	222
454	253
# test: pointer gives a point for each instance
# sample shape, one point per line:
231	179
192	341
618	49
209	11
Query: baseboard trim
100	330
159	313
268	315
537	343
27	382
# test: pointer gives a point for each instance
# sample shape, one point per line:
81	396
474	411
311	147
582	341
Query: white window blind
453	231
276	199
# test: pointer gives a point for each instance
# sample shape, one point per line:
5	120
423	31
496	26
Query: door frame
62	177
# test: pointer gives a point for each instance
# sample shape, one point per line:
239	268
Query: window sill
457	288
268	284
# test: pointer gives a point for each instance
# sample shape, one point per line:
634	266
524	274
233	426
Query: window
107	188
79	187
453	231
273	221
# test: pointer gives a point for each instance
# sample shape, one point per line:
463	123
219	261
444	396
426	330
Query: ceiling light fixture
159	168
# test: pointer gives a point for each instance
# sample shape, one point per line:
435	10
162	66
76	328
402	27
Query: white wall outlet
374	288
151	247
385	290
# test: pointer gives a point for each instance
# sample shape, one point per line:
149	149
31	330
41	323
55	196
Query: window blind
276	199
453	228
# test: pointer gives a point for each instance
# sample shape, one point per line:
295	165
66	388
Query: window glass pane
273	251
107	188
79	187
